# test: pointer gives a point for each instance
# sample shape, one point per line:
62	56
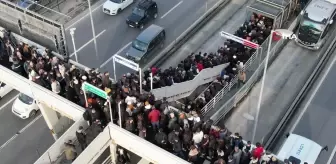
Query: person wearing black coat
161	139
71	94
17	67
81	137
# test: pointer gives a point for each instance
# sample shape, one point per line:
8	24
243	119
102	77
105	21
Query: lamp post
285	34
72	33
93	30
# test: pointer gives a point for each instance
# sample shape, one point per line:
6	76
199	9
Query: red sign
239	40
250	44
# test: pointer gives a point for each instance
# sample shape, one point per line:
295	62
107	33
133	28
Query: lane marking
87	43
312	96
8	102
332	155
66	29
31	123
108	60
171	9
21	131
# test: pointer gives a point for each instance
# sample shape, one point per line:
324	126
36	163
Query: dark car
144	46
144	12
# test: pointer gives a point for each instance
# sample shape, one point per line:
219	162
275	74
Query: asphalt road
114	36
317	119
22	141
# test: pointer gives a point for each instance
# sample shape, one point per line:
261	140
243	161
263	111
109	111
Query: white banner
184	89
126	62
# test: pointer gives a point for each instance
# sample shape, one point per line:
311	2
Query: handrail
231	103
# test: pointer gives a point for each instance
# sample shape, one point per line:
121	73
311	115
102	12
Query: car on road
144	46
113	7
141	14
4	89
24	106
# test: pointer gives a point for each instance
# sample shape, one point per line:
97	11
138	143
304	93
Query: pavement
284	78
114	36
28	138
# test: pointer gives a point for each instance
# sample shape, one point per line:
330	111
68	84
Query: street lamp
72	33
93	30
285	34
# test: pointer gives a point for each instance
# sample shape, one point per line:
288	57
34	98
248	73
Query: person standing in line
154	118
81	137
241	78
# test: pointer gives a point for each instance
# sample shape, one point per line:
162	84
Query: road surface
317	119
22	141
114	36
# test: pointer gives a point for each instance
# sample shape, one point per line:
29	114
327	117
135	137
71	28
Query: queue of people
183	132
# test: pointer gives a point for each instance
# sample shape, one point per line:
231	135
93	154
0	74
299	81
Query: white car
113	7
4	89
24	106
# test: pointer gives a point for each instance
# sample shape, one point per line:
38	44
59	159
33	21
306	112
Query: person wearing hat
81	137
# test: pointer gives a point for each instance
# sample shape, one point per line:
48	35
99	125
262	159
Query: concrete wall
31	22
56	150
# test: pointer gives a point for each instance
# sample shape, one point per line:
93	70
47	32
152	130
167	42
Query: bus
315	21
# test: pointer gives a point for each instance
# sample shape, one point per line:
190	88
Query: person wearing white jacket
198	136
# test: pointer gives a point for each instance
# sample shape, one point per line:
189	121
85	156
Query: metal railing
255	58
233	101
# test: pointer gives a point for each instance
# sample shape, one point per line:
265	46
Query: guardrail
231	103
256	57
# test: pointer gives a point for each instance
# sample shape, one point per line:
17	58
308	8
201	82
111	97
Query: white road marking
8	102
171	9
21	131
108	60
83	17
87	43
31	123
332	155
313	94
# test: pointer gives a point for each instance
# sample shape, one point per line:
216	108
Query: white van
24	106
298	150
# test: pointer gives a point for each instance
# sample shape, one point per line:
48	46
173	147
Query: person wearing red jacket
258	151
154	118
200	66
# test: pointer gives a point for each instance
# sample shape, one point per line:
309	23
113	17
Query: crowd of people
183	132
256	30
